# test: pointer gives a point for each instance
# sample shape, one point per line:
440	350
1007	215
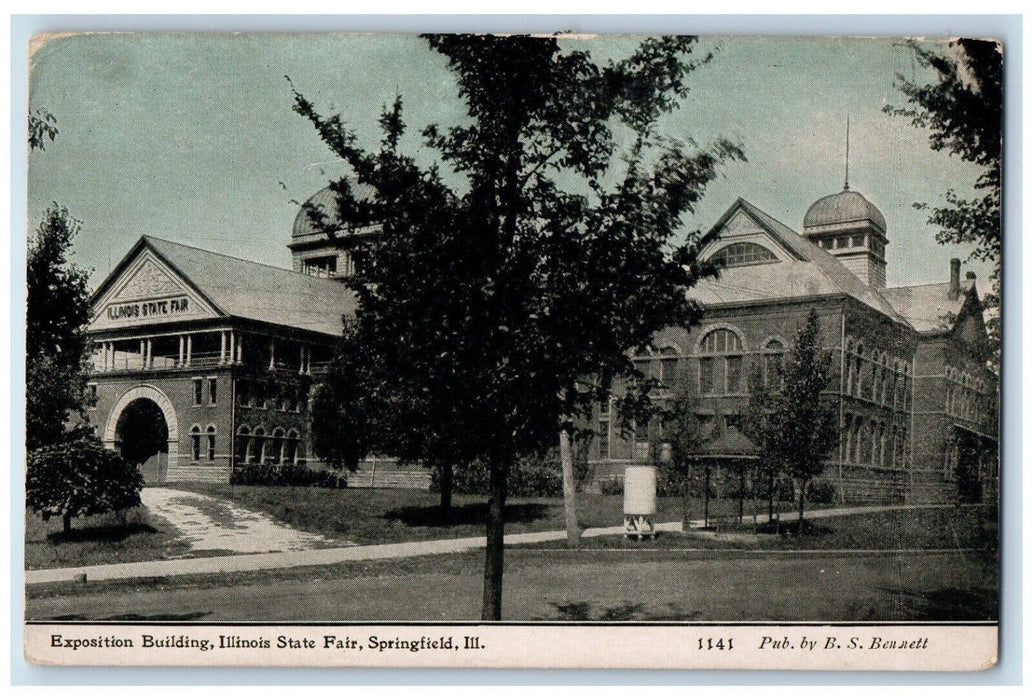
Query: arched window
858	362
211	443
291	447
276	449
774	352
258	447
721	363
742	254
243	444
864	444
195	443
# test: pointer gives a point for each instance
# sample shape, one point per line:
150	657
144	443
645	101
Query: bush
611	486
80	477
530	477
820	491
286	475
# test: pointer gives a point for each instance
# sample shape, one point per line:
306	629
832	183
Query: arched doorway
142	436
139	420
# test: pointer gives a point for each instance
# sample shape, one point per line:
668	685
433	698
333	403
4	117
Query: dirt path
207	524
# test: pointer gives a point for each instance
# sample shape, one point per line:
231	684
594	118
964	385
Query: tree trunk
686	499
447	471
491	607
803	493
706	498
742	494
66	522
771	495
569	490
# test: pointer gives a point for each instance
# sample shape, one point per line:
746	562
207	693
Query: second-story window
721	363
212	390
198	388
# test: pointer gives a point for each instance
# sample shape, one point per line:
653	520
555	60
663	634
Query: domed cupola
853	230
313	252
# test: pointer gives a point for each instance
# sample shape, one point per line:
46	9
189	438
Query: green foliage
482	309
56	347
79	477
793	424
529	477
962	110
42	125
286	475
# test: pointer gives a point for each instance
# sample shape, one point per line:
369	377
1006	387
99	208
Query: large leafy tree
962	109
487	306
58	309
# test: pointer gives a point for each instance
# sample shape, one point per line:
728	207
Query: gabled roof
250	290
929	307
812	272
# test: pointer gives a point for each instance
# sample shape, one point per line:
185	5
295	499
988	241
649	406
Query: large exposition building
220	354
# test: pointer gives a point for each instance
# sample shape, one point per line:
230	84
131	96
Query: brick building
917	404
203	348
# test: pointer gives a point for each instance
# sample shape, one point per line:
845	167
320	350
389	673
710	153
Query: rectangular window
604	439
706	376
669	371
198	382
735	375
91	394
211	390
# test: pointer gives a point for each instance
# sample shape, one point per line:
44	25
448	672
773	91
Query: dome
841	208
326	201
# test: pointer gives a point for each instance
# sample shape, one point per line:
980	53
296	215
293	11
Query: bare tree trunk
771	495
66	522
447	472
686	496
742	493
706	497
569	490
491	607
803	493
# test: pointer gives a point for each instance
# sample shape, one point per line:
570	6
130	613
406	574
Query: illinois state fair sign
159	308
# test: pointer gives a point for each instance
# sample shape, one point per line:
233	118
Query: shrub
611	486
821	491
286	475
80	477
531	477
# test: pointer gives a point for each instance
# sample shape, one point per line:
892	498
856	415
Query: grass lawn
99	539
376	516
964	527
557	585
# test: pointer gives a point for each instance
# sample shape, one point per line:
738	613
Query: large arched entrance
142	436
142	427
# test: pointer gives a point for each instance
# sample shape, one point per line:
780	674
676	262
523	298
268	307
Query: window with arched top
742	254
211	442
258	446
291	447
195	443
243	444
276	448
721	363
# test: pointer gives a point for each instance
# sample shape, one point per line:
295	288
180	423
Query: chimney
955	285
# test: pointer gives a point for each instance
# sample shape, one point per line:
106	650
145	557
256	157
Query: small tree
804	422
759	424
79	477
58	309
684	431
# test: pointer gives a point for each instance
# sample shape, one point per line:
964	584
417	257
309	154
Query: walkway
337	555
207	523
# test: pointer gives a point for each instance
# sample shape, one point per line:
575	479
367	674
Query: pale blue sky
188	137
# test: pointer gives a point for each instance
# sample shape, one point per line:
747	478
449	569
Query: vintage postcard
513	351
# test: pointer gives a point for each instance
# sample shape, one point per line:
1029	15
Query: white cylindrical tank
640	491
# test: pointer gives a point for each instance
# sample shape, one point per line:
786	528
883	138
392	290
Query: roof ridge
149	237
